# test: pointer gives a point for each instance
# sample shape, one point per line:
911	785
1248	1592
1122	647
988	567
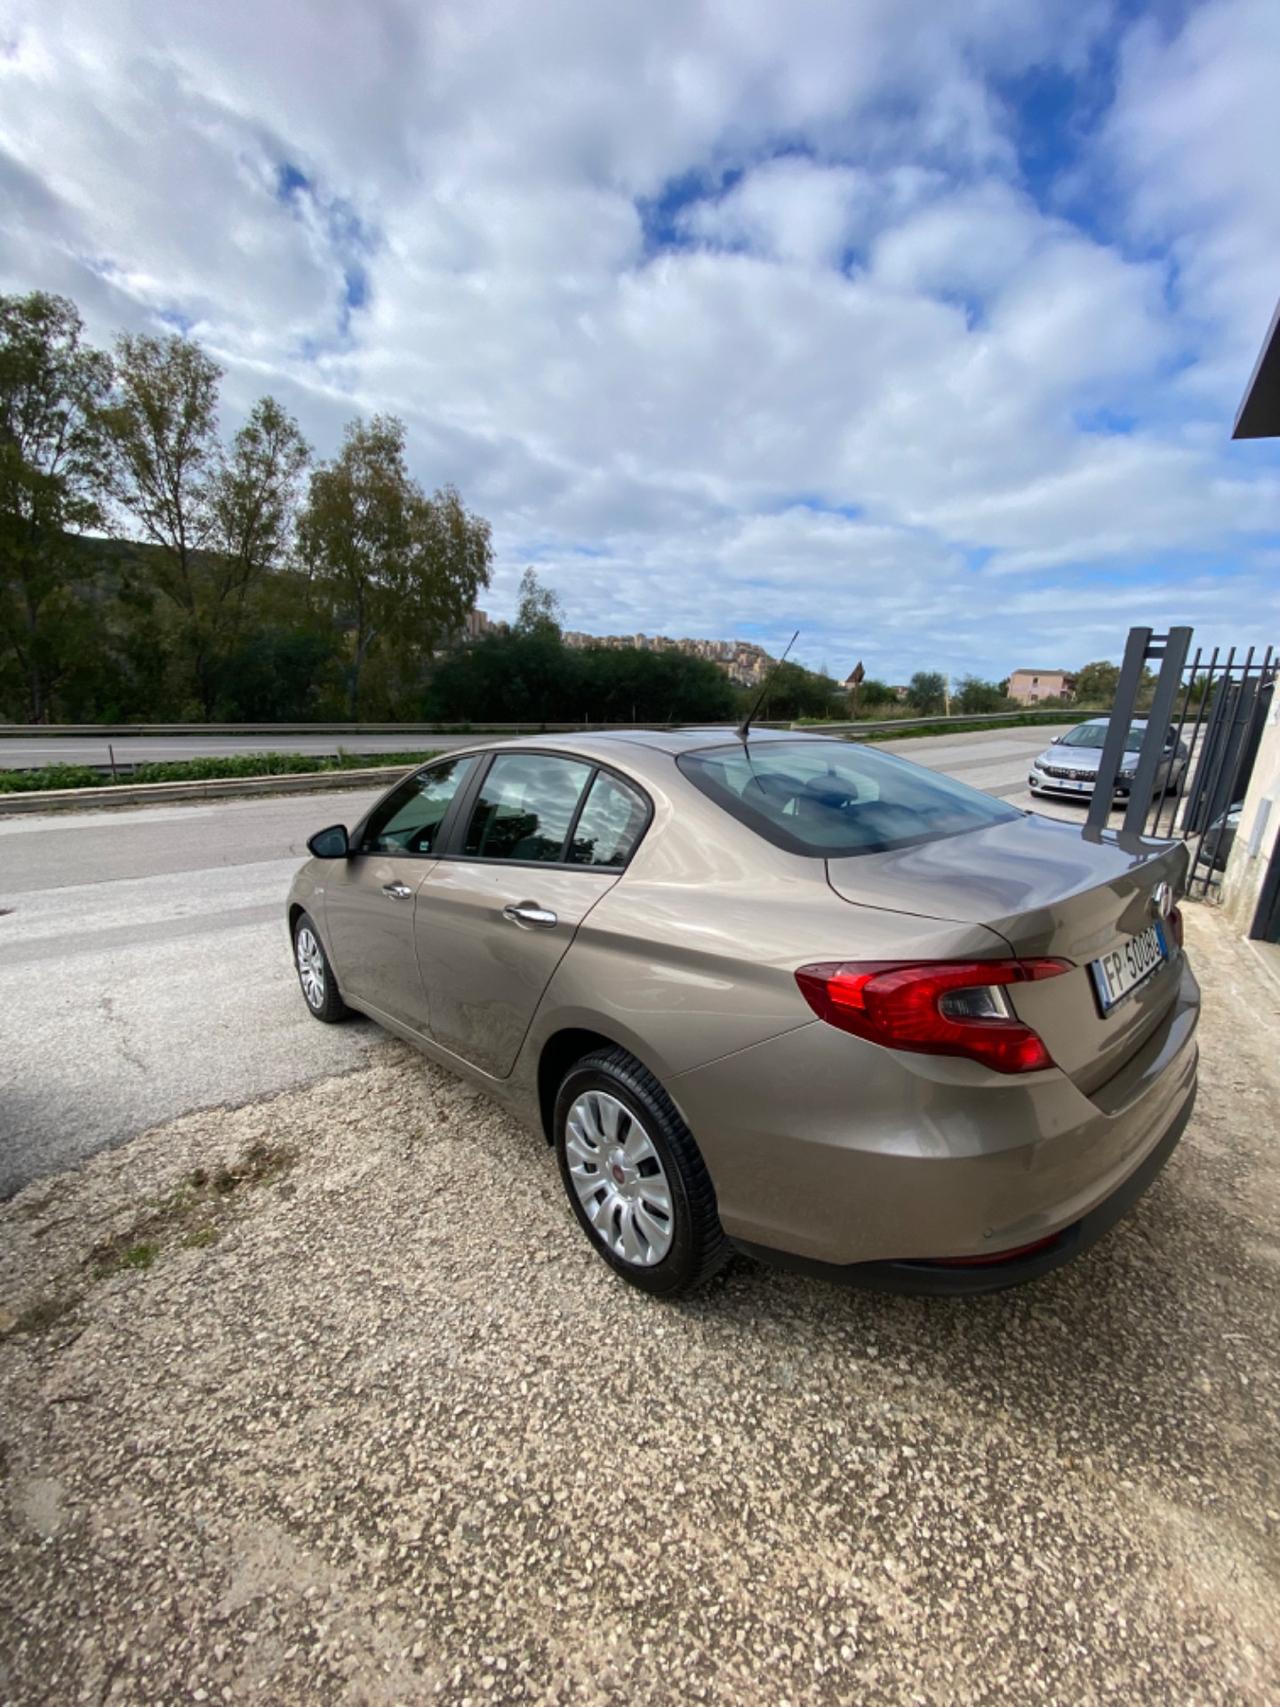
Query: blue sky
919	328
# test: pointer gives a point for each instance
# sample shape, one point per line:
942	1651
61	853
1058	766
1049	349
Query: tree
975	695
794	692
253	500
1096	683
927	692
627	684
875	693
394	568
276	675
162	428
51	387
538	610
535	678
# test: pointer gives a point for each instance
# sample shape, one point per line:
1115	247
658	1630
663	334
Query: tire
323	1000
668	1254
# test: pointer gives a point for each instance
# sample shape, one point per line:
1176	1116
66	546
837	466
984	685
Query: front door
370	896
494	918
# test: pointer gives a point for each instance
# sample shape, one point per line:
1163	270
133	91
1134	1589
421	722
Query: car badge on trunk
1161	902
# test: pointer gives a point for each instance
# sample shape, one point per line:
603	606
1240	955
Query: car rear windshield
833	799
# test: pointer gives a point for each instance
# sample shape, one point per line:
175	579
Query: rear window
832	799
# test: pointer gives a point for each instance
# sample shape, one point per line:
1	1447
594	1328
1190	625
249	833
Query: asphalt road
145	971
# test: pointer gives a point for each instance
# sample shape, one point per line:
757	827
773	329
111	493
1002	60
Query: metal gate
1215	706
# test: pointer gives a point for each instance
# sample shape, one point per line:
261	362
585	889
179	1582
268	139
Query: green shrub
202	770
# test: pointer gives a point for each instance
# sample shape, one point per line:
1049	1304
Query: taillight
933	1008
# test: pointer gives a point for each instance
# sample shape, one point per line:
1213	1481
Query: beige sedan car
785	994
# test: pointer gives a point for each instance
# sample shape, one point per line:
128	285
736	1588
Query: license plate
1119	973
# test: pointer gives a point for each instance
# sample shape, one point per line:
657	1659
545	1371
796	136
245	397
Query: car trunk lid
1049	890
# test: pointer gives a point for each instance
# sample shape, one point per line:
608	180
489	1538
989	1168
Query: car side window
610	824
408	820
525	807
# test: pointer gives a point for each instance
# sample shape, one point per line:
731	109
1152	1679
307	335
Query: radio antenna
744	728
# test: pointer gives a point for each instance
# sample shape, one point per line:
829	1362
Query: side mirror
331	843
1055	740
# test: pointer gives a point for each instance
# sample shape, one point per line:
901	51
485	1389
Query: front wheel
315	975
634	1176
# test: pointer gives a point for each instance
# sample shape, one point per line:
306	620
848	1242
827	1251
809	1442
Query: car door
547	835
369	897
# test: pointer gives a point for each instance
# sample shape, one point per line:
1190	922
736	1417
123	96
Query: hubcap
310	967
619	1179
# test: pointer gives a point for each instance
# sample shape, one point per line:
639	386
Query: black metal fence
1219	708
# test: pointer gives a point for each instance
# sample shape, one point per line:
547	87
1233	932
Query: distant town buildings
741	660
1027	686
748	664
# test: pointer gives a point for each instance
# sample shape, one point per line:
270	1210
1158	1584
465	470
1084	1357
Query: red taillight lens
904	1005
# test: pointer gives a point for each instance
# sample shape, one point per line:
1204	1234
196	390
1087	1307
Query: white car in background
1068	768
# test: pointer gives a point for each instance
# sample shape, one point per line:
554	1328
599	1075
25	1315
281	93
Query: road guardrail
216	788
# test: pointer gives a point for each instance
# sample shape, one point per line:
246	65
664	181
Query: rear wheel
315	975
634	1176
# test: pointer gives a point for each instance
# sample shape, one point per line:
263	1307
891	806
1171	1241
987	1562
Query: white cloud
1193	142
730	316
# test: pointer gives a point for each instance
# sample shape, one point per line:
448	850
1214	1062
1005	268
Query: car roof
643	752
658	740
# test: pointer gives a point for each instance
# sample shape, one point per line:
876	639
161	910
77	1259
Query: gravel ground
324	1398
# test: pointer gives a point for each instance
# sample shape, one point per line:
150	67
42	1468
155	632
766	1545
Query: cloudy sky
916	326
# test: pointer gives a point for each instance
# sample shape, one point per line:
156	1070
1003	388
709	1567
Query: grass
189	1218
957	722
202	770
960	726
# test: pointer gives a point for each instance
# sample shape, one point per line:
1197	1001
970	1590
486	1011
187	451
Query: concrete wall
1246	873
1027	686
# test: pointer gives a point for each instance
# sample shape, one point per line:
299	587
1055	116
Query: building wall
1028	686
1245	874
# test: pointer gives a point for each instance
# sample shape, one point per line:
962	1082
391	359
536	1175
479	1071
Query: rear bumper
939	1280
827	1149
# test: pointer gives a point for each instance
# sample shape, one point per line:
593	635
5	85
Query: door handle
530	915
397	891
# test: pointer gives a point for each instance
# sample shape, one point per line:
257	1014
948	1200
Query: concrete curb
222	788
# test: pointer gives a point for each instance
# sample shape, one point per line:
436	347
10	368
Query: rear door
546	836
370	896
